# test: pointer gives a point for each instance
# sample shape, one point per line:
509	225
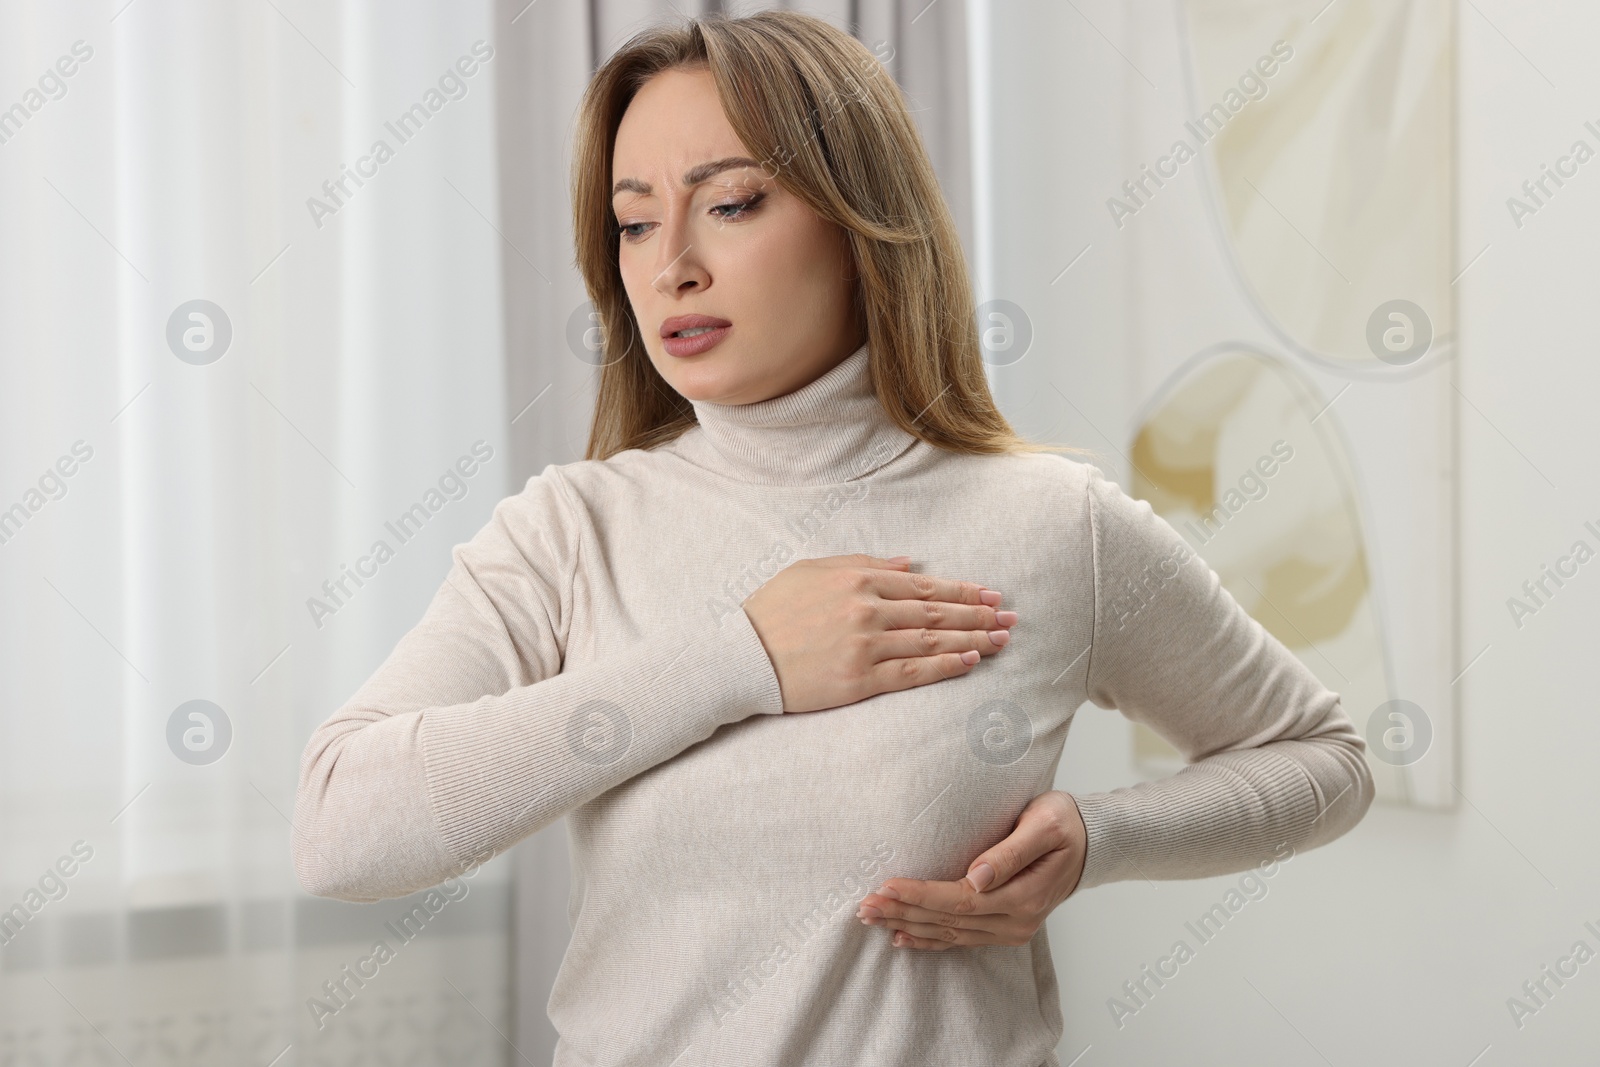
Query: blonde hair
861	166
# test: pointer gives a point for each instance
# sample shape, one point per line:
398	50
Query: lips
679	323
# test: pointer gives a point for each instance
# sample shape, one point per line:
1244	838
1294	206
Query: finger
947	936
896	910
1036	834
903	918
902	939
1014	932
983	907
893	675
916	614
954	898
895	585
902	643
860	559
990	911
1000	913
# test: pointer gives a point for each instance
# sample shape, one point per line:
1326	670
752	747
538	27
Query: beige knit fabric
587	656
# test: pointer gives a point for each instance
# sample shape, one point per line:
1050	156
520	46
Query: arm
1273	756
470	736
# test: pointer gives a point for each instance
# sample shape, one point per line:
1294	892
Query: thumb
1031	839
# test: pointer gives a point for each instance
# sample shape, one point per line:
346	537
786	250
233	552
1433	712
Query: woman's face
733	246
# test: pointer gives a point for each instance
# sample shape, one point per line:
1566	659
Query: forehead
674	121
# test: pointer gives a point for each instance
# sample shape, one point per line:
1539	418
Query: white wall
1402	941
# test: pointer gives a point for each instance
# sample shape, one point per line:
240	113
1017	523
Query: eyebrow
694	176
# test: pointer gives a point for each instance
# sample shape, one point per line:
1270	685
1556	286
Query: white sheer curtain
170	512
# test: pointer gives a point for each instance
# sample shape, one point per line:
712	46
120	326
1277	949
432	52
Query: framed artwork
1304	440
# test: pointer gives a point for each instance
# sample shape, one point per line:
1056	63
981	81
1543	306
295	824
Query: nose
679	272
678	265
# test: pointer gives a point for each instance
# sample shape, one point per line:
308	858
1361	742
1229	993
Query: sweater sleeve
470	736
1272	756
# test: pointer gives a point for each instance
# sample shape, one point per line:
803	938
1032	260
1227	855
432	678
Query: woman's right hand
843	628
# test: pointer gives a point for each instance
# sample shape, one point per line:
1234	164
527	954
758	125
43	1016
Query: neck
830	430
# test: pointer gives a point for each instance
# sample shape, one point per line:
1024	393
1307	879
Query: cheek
635	270
628	263
801	262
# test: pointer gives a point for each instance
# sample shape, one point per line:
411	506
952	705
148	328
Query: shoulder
1050	470
545	515
1126	530
564	498
1113	509
569	483
1125	536
585	484
1032	482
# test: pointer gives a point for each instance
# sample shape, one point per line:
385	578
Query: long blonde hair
862	166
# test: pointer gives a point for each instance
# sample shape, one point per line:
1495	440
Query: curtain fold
235	339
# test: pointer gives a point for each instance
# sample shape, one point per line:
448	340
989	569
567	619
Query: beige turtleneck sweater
587	656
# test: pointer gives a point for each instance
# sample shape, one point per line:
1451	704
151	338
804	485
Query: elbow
322	845
1363	787
355	840
316	873
310	841
1352	793
364	828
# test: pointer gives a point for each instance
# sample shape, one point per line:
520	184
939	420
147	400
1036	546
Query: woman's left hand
1033	869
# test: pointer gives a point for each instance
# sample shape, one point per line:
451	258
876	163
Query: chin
708	376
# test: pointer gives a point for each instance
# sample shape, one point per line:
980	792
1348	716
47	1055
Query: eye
734	212
739	209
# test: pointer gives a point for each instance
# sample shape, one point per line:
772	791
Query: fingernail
980	876
887	892
867	911
1006	618
999	637
970	656
989	597
899	559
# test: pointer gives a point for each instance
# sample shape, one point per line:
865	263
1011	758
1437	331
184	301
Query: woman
702	644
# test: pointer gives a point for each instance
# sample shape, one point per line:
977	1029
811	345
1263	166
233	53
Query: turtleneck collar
830	430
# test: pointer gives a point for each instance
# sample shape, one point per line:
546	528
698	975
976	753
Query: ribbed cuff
1218	815
749	659
1102	820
